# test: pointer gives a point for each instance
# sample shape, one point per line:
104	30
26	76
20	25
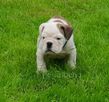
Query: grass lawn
19	22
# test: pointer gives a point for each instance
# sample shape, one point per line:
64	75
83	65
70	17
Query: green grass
19	22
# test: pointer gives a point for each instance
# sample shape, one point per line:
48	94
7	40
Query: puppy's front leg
41	66
72	58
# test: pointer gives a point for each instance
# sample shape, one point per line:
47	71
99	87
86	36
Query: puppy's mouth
49	50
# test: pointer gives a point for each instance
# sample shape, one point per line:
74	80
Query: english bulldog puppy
55	40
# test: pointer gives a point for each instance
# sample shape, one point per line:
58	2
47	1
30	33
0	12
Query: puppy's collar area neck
65	44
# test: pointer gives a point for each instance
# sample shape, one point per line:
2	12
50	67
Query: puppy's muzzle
49	47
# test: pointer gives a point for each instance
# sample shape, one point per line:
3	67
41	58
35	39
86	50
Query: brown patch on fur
62	18
58	21
59	27
66	30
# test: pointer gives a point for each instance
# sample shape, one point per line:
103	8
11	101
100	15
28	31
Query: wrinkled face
51	39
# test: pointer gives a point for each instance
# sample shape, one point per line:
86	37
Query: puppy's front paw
71	65
40	70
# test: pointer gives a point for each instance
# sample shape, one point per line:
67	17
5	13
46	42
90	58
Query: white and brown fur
57	31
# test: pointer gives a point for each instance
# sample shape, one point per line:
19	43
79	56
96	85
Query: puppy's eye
43	37
58	38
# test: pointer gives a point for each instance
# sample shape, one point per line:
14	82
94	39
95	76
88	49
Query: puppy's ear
66	30
41	27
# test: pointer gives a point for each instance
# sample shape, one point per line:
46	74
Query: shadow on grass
58	73
61	66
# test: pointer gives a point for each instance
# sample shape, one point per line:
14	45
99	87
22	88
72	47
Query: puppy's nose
49	45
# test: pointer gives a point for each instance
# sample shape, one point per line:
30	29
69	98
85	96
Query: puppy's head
53	36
